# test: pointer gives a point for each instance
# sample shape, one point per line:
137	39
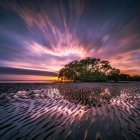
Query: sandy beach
71	111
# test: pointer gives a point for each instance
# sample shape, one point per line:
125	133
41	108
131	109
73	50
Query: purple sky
44	35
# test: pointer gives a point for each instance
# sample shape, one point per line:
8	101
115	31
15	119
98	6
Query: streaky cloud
9	70
48	34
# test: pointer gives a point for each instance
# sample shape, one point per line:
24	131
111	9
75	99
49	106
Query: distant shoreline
51	81
26	81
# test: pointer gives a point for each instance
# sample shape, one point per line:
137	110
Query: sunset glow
27	77
45	36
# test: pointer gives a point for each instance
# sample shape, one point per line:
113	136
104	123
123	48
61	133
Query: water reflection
63	111
91	97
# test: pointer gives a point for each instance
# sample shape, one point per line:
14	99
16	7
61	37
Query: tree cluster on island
93	70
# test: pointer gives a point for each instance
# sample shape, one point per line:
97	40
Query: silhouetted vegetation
93	70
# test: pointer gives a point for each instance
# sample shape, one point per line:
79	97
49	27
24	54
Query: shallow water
83	111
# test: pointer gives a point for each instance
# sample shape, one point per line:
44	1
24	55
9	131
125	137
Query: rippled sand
81	111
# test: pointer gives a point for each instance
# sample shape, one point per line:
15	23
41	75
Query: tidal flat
70	111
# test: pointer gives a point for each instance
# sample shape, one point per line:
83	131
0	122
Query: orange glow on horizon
29	77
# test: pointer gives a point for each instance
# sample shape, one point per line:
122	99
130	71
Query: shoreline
45	81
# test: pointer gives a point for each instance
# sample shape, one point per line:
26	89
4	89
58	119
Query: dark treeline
93	70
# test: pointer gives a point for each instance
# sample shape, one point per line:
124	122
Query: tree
92	69
114	74
135	78
88	69
124	77
67	73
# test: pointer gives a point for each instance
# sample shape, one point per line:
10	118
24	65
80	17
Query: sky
38	37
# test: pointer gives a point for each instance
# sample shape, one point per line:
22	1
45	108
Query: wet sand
71	111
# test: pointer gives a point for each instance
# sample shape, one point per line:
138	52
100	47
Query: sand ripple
83	111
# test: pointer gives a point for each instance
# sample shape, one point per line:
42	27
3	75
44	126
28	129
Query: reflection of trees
89	96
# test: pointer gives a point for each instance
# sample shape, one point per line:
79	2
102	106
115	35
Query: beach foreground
73	111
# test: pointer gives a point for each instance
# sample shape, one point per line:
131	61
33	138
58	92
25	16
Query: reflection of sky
55	100
127	99
46	35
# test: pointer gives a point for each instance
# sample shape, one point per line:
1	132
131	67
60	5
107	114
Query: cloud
46	35
8	70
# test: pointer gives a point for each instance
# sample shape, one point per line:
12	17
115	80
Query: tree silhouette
93	69
88	69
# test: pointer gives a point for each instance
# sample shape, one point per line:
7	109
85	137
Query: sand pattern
82	111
